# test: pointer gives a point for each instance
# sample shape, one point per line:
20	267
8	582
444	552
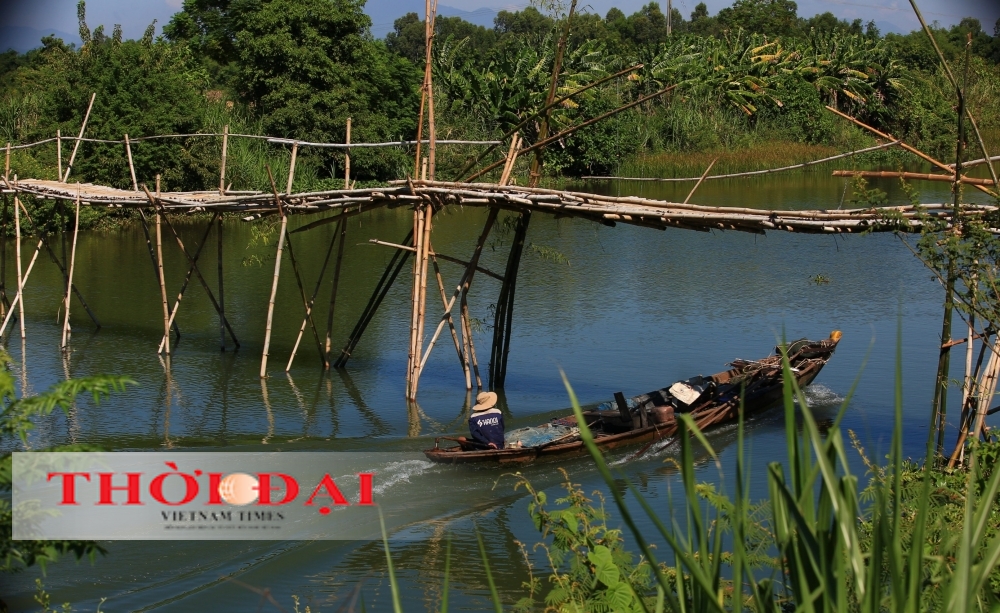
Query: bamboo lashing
76	146
69	284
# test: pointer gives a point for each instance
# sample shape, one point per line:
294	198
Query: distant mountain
384	12
23	39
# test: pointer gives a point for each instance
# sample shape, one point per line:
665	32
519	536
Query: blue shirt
487	427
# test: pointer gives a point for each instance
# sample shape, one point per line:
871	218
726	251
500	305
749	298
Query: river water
632	309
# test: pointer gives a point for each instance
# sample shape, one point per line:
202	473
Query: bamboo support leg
154	260
464	283
17	297
392	271
17	251
4	302
413	354
68	285
222	292
328	345
72	265
274	293
187	278
193	264
163	283
505	306
451	326
422	305
309	308
305	302
467	322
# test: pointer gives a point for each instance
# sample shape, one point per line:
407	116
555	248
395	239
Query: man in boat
486	423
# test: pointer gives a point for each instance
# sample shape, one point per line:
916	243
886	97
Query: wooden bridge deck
607	210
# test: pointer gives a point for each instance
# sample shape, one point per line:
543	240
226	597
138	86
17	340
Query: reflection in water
267	408
379	427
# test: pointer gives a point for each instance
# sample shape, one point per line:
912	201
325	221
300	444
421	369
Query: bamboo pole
328	346
414	352
312	303
155	261
466	280
347	157
4	303
187	278
422	312
159	268
903	145
277	266
434	254
72	265
222	172
59	152
515	144
467	339
696	185
17	297
535	172
222	293
131	165
392	271
503	317
451	325
919	176
547	141
20	278
76	146
538	113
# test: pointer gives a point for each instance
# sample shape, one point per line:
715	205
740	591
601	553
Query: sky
33	18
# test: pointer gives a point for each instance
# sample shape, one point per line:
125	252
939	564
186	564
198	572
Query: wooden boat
711	401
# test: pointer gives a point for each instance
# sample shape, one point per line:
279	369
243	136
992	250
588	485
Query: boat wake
820	396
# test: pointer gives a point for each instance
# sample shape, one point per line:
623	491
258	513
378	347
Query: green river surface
633	310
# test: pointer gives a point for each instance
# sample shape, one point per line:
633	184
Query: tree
308	65
770	17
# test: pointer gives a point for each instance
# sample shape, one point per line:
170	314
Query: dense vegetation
755	73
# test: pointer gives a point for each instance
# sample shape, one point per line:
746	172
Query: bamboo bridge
424	198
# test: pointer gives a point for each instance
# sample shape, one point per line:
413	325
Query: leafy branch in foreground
17	419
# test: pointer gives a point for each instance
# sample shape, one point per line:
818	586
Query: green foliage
902	551
590	568
17	419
